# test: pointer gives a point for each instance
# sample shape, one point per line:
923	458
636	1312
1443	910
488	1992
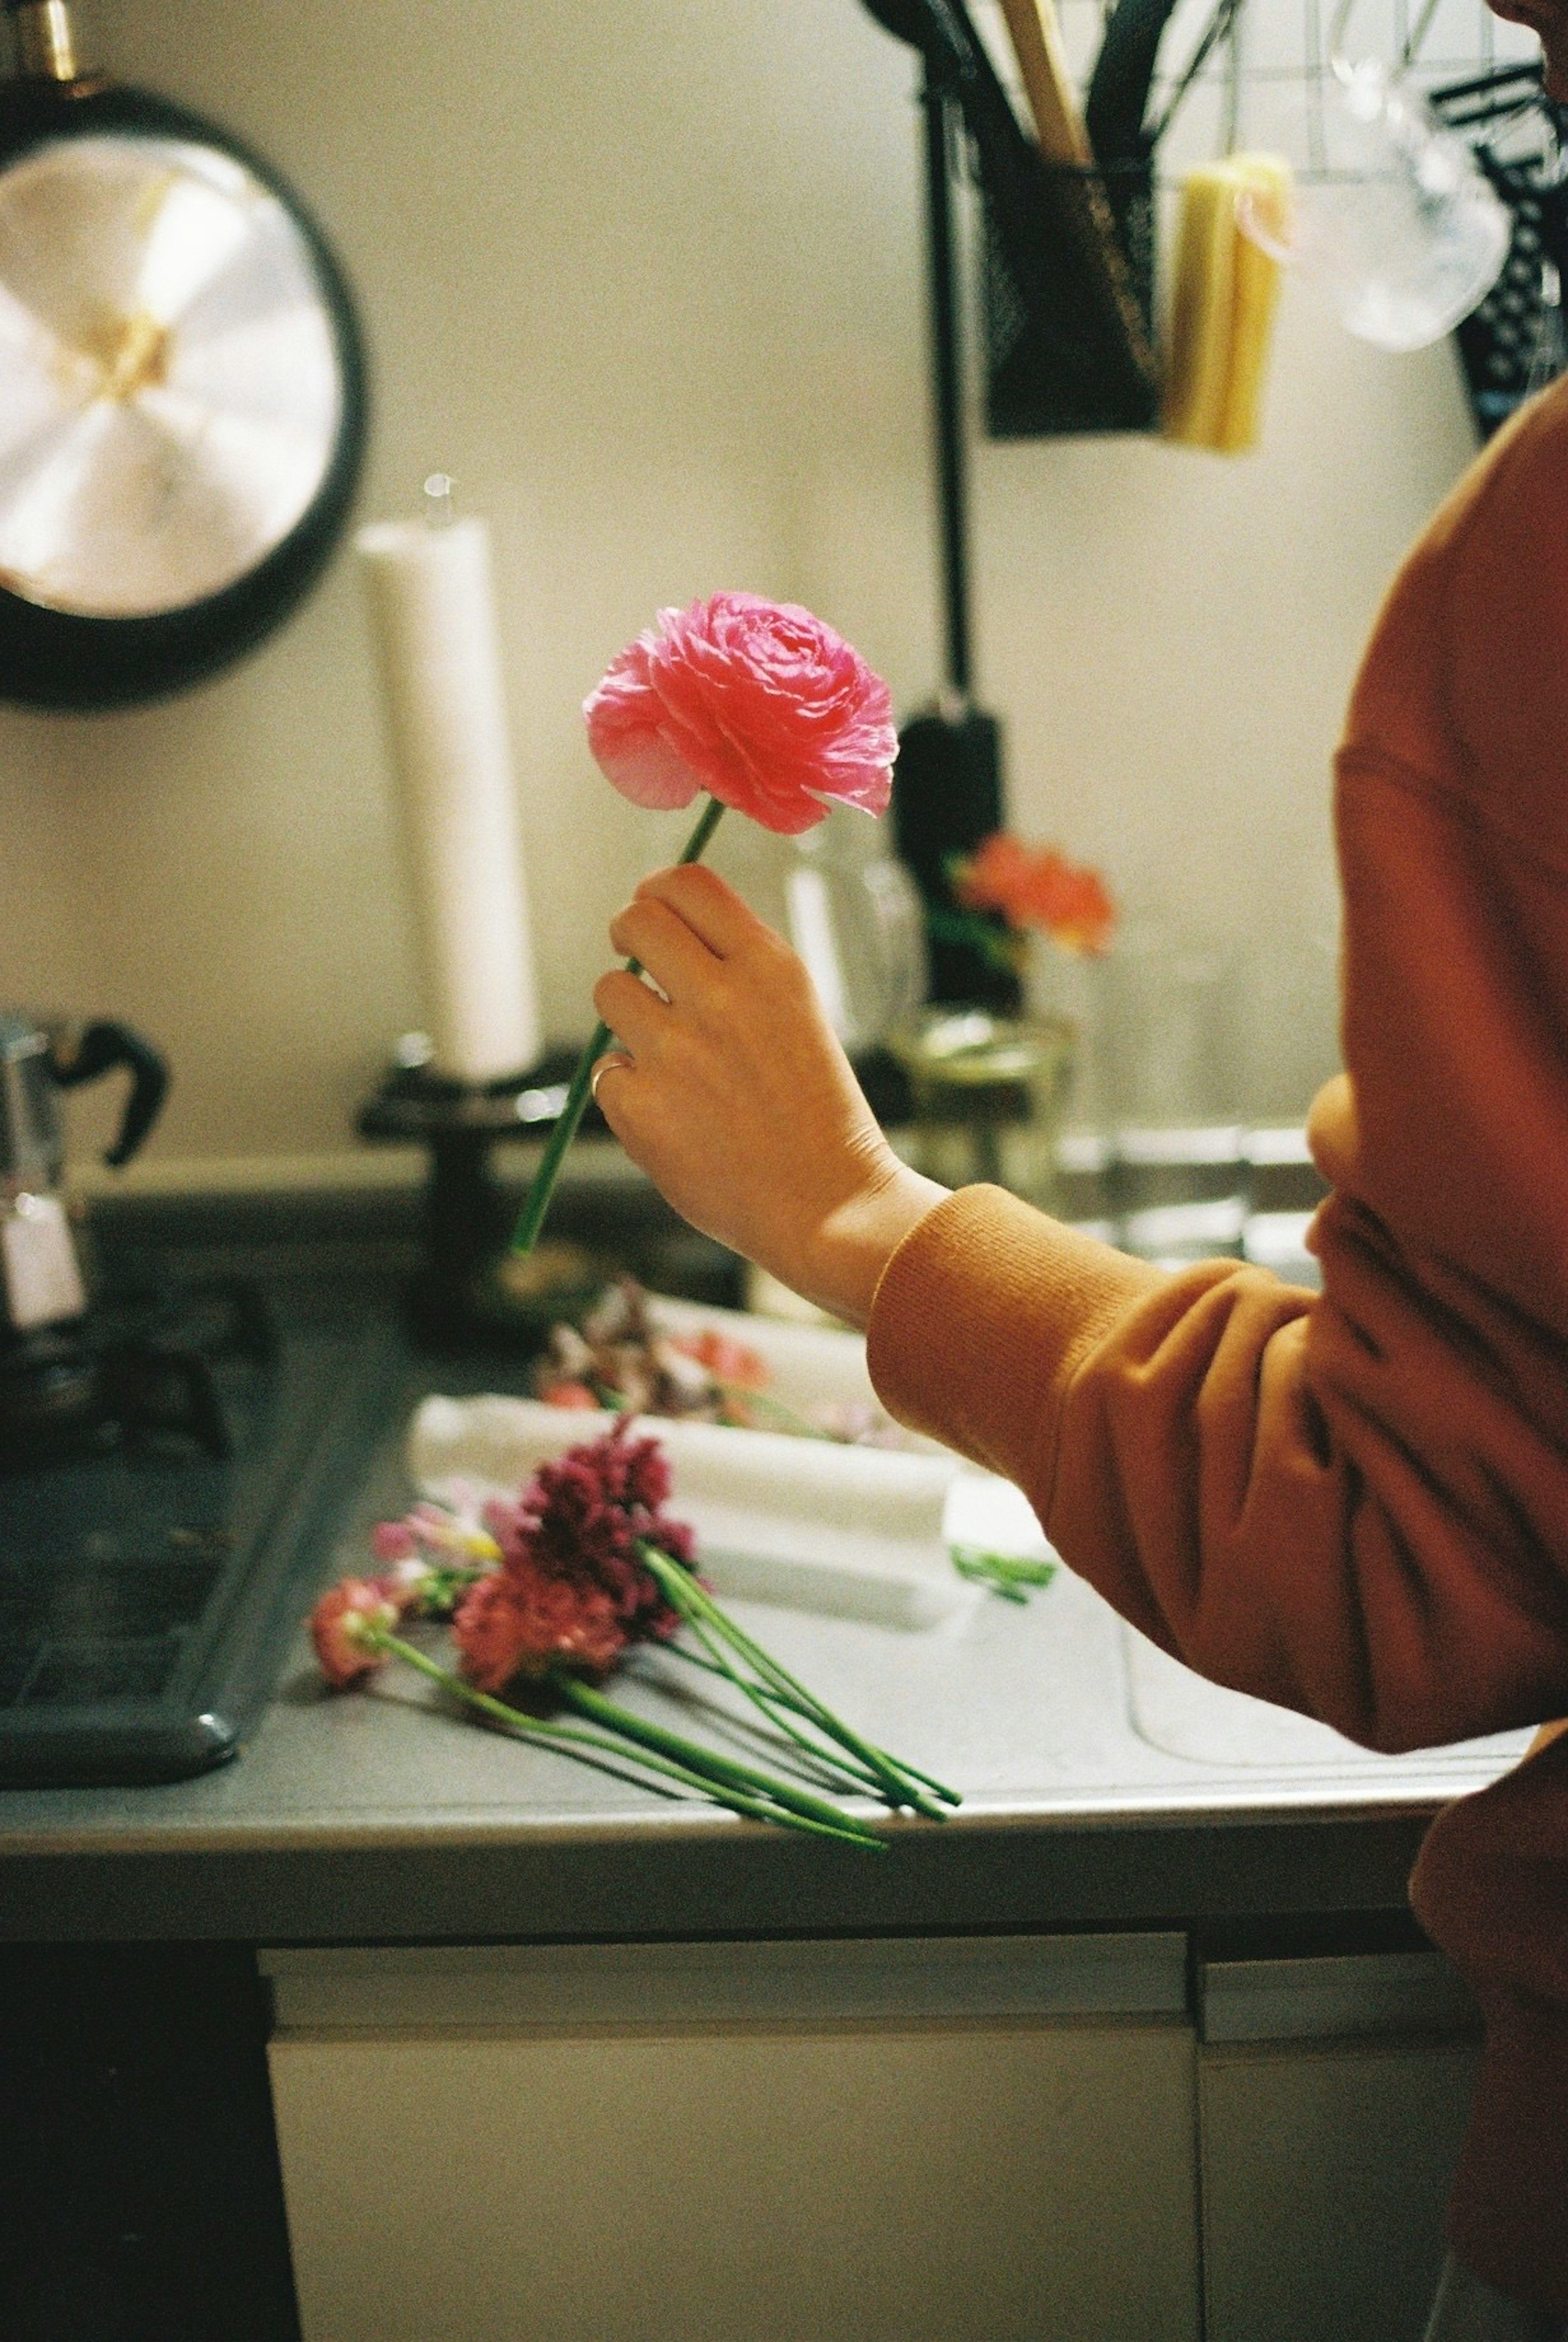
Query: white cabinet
984	2140
1332	2094
971	2141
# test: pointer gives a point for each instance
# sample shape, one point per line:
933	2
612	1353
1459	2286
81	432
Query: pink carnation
521	1621
340	1625
757	701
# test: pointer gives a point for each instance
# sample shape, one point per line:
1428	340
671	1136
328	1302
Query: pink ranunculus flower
757	701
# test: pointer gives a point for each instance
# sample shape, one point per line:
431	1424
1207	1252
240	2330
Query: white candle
433	618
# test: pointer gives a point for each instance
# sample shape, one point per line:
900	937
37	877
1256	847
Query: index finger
711	909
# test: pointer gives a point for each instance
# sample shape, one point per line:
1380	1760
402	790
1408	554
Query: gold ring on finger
614	1061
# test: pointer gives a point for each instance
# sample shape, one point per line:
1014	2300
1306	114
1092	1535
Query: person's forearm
856	1243
1314	1499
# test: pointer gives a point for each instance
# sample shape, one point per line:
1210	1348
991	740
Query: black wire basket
1514	343
1058	360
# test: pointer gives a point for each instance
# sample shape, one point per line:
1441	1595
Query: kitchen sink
1183	1714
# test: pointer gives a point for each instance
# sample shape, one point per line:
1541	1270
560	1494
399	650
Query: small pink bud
343	1624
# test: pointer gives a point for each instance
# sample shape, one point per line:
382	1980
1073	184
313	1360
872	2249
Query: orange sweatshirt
1356	1504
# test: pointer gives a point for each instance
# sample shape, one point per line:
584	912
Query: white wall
645	276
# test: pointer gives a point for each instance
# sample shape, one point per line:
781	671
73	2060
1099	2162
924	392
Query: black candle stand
469	1293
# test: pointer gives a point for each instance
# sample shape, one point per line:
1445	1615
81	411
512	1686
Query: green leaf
1007	1574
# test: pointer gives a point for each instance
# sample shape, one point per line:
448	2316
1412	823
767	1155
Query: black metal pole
941	126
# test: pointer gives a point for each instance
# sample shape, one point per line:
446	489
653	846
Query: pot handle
96	1050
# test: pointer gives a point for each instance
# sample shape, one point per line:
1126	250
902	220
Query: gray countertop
1102	1786
379	1814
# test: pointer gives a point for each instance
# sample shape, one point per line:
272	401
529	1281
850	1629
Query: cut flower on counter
547	1594
620	1358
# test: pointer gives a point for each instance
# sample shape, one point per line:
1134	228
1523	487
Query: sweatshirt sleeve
1354	1504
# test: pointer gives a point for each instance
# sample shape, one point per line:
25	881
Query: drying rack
1262	75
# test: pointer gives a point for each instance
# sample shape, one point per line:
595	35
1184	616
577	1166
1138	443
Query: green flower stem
797	1426
1003	947
574	1741
698	1609
1008	1575
900	1784
537	1203
775	1700
895	1781
770	1703
615	1402
724	1770
811	1709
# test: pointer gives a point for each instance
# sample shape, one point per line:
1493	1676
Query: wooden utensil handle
46	43
1037	40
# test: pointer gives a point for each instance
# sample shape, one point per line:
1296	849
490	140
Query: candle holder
469	1292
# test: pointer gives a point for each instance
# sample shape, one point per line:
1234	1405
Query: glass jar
856	918
989	1094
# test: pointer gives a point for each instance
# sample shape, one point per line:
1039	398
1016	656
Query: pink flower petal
340	1623
644	767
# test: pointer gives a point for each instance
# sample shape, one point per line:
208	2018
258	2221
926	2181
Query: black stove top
156	1552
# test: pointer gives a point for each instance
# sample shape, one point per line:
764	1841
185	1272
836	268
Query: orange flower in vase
991	1092
1035	890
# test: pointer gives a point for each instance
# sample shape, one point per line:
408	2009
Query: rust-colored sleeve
1354	1504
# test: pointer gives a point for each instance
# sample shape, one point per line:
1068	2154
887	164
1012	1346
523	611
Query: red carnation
519	1621
581	1517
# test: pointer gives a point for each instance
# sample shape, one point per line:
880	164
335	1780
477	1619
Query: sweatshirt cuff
981	1319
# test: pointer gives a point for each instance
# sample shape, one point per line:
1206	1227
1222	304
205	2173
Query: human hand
733	1093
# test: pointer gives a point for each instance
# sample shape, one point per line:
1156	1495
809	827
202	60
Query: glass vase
988	1096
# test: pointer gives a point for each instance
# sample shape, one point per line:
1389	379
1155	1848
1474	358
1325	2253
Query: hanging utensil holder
1046	370
1067	332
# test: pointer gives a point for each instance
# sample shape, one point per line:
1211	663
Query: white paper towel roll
854	1531
433	615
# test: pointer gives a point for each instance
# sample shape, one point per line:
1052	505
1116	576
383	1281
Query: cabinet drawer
785	2157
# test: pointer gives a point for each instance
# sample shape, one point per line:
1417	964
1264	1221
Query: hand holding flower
762	705
734	1095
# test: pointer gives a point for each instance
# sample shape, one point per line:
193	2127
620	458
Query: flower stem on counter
722	1770
668	1756
807	1708
899	1783
537	1203
1009	1575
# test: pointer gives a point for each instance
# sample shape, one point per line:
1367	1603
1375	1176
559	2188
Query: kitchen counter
1116	1811
1103	1787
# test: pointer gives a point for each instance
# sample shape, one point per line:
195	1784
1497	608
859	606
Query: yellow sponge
1223	307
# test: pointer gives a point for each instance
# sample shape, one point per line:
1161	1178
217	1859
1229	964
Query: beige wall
645	277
